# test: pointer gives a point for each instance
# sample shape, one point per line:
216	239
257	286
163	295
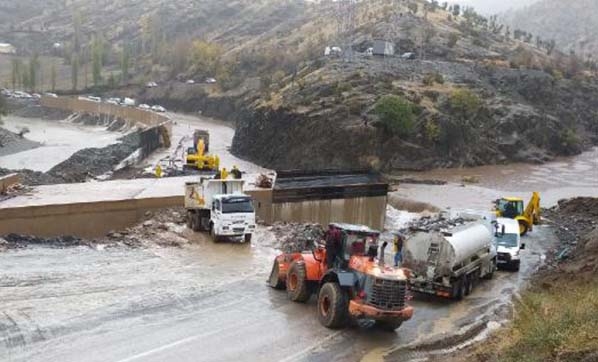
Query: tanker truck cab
508	243
232	216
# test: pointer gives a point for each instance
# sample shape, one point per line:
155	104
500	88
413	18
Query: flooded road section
204	302
566	178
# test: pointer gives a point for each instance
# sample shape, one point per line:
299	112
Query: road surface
205	302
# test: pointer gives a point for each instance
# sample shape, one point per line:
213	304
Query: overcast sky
494	6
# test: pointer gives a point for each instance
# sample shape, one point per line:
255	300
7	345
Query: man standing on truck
398	248
333	245
236	173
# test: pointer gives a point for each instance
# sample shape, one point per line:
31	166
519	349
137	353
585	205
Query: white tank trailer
450	263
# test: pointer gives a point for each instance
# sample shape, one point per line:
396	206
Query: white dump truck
450	263
220	207
508	243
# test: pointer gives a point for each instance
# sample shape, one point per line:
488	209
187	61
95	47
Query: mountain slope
468	95
571	23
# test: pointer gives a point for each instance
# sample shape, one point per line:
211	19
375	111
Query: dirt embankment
85	164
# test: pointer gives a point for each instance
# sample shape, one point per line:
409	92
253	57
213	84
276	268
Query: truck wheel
189	220
274	280
247	238
196	223
389	325
333	306
469	281
523	228
213	234
459	288
516	266
297	288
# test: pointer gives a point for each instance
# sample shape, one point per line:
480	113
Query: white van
508	243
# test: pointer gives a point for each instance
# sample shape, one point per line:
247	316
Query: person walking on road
398	249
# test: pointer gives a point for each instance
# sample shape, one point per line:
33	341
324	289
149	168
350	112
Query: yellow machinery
197	157
513	208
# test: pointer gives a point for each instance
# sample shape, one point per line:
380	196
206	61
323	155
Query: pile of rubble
293	237
438	222
162	228
576	226
15	241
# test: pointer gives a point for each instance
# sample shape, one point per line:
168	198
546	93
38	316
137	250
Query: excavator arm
533	211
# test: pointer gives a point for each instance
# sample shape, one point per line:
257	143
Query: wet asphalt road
204	302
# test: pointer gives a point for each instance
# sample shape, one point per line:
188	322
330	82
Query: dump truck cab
232	216
357	286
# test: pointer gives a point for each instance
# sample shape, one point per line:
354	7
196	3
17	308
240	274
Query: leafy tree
456	10
33	66
124	64
205	58
464	103
77	30
75	70
97	50
453	39
3	109
16	77
396	114
53	77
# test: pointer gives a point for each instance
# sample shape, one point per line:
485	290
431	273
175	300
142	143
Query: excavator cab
514	208
510	207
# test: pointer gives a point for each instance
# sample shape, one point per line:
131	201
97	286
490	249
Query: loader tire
297	287
274	280
333	306
389	325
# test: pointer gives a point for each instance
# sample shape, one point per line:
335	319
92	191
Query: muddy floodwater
565	178
58	141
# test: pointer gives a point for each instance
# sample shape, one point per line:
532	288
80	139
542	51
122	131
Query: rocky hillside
467	95
572	24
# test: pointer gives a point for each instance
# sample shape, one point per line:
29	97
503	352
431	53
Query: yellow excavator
198	157
513	208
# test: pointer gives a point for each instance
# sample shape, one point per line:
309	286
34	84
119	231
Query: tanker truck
450	263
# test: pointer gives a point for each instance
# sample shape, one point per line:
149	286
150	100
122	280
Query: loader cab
509	207
357	240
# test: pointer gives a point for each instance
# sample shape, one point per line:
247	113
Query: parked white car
145	107
128	102
151	85
158	108
210	80
190	81
115	101
52	95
